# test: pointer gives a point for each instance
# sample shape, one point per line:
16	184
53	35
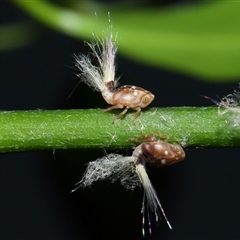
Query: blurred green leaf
201	40
16	35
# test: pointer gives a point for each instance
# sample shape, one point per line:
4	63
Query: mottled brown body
158	153
127	96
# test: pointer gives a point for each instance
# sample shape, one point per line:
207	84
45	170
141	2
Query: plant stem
38	130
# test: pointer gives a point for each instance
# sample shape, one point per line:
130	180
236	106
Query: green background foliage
200	40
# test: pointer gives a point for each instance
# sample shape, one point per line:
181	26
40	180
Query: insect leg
120	114
138	110
165	137
145	138
114	107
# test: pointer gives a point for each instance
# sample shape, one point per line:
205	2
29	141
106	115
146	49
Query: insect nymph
131	171
102	77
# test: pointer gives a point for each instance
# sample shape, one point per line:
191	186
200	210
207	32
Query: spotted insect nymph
131	171
101	77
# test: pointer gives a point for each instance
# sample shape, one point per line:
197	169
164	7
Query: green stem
189	126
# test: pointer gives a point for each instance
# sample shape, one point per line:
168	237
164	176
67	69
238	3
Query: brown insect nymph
127	96
101	77
158	153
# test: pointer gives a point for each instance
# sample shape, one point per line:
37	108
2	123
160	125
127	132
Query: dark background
200	196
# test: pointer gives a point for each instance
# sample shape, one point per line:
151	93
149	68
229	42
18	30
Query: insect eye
145	99
176	148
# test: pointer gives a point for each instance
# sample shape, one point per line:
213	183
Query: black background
200	196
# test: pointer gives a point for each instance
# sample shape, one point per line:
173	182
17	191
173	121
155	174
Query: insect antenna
73	91
220	104
152	200
149	216
143	214
76	188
